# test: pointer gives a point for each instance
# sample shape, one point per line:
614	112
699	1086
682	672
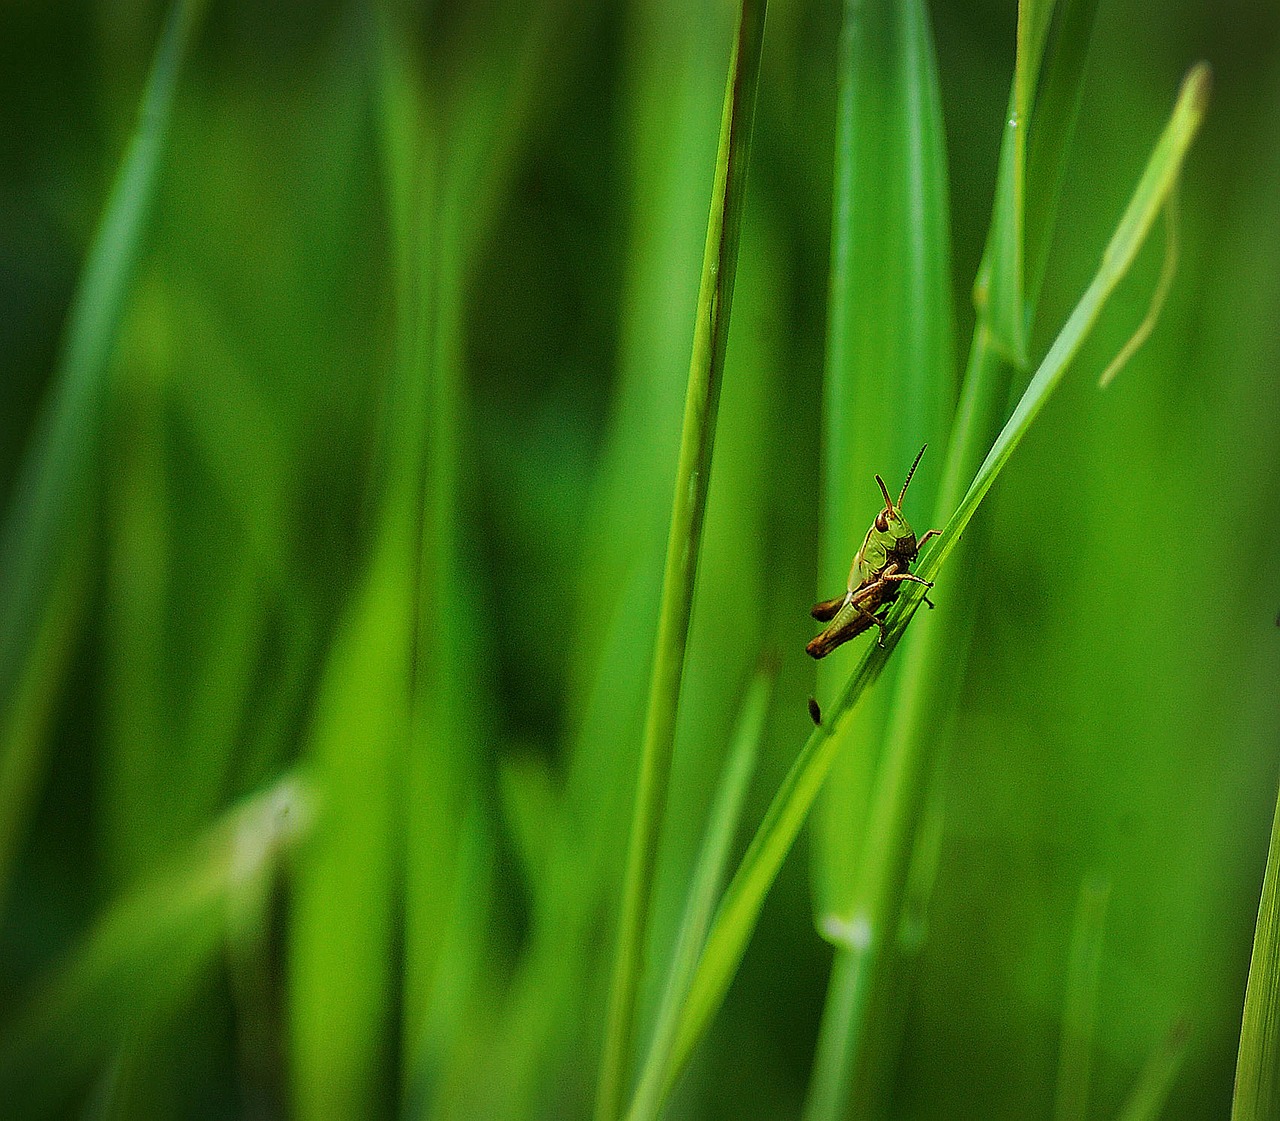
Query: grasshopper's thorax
899	538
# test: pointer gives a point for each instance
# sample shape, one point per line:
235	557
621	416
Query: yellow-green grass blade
655	1078
142	957
890	378
740	908
46	519
706	367
1257	1089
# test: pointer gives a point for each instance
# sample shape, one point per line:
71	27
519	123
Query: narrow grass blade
740	908
1052	126
722	826
52	485
1155	1080
1001	279
706	366
1079	1012
145	953
890	342
1257	1090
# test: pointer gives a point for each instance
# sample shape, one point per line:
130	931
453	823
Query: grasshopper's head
900	538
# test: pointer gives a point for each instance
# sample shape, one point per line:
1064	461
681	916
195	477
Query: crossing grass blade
655	1079
740	907
706	367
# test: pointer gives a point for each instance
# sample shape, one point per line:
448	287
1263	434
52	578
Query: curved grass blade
740	908
52	485
1257	1088
711	333
148	949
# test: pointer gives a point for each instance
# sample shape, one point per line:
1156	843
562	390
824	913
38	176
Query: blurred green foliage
377	504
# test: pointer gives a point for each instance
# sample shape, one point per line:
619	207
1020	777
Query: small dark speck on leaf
815	713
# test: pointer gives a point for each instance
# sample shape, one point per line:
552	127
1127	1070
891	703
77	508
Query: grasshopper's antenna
909	474
888	502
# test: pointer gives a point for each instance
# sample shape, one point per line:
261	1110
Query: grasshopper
879	569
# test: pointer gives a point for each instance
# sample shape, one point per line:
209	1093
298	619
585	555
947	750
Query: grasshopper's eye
882	521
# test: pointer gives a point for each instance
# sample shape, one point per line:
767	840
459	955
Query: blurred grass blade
1257	1089
704	889
1080	1009
740	908
1000	290
53	481
890	340
25	716
1155	1080
342	935
142	957
711	333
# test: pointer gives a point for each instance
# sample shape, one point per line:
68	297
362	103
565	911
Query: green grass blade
1079	1012
1155	1080
706	366
40	526
142	957
890	344
925	688
1257	1089
704	890
745	895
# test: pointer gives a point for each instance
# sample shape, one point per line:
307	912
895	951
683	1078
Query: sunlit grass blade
704	889
890	340
1155	1080
740	908
142	957
706	367
1079	1012
1257	1089
44	519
